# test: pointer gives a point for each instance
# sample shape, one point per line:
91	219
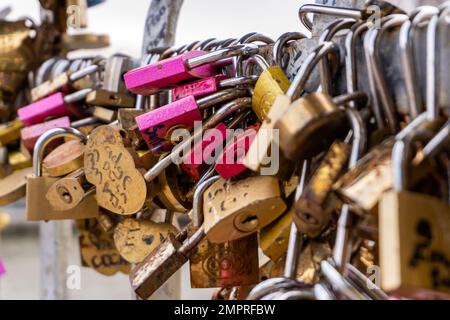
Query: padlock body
29	135
154	125
231	161
51	106
274	238
197	88
230	264
196	160
414	245
235	209
166	73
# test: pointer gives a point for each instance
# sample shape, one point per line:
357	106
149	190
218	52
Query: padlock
101	97
230	162
66	193
270	84
198	88
10	132
5	167
195	163
61	82
233	263
263	156
308	125
156	126
64	159
110	166
312	211
56	105
413	235
192	64
135	239
37	206
235	209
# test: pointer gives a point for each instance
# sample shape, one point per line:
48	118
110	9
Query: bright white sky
199	19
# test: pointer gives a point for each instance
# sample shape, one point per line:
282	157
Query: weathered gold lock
110	99
232	263
111	167
37	206
170	192
414	236
308	125
235	209
19	159
274	238
10	132
312	211
13	186
135	239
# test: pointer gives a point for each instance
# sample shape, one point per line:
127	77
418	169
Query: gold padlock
64	159
110	99
10	132
37	206
12	188
312	211
274	238
235	209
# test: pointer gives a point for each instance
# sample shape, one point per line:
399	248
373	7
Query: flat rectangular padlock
56	105
235	209
104	114
197	160
115	67
156	126
10	131
149	79
101	97
230	162
192	64
19	159
198	88
29	135
61	82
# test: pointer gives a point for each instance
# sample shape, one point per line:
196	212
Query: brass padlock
10	132
308	125
414	235
37	206
13	186
19	159
233	263
312	211
170	192
110	99
235	209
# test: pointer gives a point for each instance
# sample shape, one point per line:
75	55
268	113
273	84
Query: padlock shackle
214	56
45	139
77	75
258	37
277	50
197	205
327	35
252	60
220	96
78	95
327	10
302	76
238	81
432	107
214	120
191	242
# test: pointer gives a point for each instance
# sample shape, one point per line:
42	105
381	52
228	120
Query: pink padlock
190	65
55	105
29	135
197	88
155	125
196	161
230	161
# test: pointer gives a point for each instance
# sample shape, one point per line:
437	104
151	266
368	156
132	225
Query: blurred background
124	22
